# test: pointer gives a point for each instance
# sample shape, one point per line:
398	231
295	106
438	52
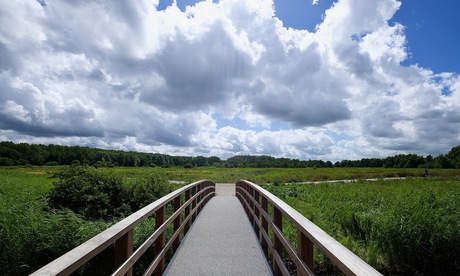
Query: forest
13	154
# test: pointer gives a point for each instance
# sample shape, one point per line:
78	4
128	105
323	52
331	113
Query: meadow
285	175
403	227
400	227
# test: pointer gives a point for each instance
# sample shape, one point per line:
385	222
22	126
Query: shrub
188	166
146	189
92	193
51	163
5	161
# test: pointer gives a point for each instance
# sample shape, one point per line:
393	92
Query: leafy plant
146	189
407	227
92	193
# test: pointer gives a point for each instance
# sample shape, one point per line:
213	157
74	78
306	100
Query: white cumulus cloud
126	75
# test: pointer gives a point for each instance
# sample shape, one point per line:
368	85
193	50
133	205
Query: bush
99	194
92	193
146	189
188	166
5	161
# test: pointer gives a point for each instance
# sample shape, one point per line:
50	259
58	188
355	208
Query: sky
303	79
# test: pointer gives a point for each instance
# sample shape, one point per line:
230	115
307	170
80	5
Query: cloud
128	76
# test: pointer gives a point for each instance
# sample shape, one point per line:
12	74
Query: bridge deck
220	242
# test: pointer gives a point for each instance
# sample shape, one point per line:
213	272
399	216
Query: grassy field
280	175
407	226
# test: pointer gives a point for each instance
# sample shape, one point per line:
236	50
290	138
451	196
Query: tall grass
32	234
402	227
281	175
29	236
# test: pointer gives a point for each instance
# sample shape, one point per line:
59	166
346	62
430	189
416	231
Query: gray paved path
220	242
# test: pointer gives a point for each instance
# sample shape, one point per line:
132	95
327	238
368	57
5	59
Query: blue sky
315	79
432	33
431	28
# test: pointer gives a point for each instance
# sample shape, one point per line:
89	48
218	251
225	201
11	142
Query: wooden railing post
187	212
123	250
177	205
200	197
160	215
194	191
277	245
265	226
305	250
257	213
246	207
251	205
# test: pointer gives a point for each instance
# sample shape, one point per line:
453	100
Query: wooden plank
305	250
257	213
265	225
187	212
160	215
277	246
123	250
177	204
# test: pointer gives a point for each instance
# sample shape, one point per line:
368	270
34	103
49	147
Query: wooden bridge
215	229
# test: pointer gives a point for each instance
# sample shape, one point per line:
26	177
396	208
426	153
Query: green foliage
399	227
188	166
102	194
92	193
5	161
32	234
31	237
23	153
146	189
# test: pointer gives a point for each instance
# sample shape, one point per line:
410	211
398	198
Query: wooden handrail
255	201
196	195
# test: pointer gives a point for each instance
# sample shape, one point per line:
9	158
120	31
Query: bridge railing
256	201
187	203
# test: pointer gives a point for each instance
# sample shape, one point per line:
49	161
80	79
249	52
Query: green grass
404	227
280	175
399	227
29	236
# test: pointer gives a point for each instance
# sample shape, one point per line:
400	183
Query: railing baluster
177	205
265	226
187	212
200	197
123	250
160	215
257	213
251	205
277	245
194	191
305	250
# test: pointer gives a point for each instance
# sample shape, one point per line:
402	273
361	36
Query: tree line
12	154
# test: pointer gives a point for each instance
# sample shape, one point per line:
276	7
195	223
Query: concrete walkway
220	242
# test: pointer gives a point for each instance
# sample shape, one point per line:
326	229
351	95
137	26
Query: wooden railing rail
256	201
188	200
